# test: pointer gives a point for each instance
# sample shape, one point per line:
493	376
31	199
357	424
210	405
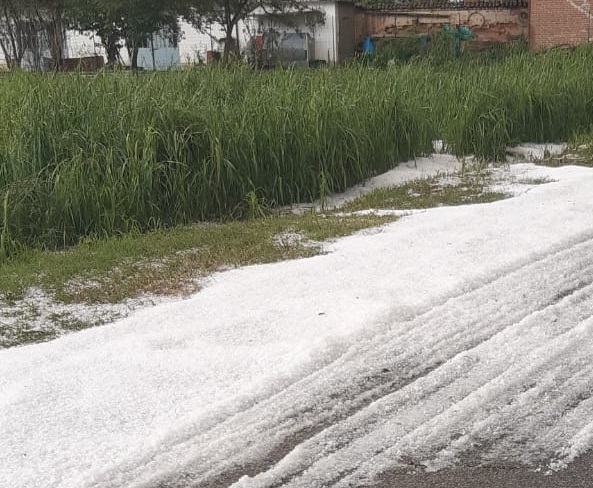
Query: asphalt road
492	388
579	474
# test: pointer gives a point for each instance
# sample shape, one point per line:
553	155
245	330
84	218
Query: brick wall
488	25
560	23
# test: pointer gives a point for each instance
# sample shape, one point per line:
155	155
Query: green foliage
444	46
435	191
485	107
109	154
117	22
114	153
400	49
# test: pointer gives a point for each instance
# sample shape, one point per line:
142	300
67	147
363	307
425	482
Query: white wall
324	35
193	45
79	45
326	43
164	58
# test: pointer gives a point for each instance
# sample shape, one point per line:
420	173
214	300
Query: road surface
495	383
453	347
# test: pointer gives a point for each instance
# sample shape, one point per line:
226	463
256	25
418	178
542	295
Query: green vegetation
111	270
92	156
100	272
579	152
434	191
112	153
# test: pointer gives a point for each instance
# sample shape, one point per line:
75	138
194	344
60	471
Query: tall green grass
485	107
111	153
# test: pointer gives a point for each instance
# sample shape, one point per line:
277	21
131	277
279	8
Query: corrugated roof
440	4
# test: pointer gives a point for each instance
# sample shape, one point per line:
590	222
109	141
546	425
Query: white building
304	40
329	41
328	38
160	52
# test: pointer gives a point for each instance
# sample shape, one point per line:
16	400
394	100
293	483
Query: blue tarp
367	45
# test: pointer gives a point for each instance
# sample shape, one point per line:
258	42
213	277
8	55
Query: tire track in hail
227	447
463	398
398	370
553	376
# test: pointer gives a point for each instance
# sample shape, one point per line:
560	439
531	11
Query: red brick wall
560	22
489	25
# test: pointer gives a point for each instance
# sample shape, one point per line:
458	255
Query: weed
443	190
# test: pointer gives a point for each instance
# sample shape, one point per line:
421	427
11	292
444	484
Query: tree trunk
228	33
112	50
152	52
227	49
13	37
135	57
56	39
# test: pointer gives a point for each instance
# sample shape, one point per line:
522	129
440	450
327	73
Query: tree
31	27
51	14
124	22
103	19
228	14
15	33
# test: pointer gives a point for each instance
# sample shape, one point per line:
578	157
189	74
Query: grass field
115	187
44	294
93	156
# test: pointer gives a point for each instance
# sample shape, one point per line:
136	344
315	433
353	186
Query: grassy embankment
88	157
105	155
